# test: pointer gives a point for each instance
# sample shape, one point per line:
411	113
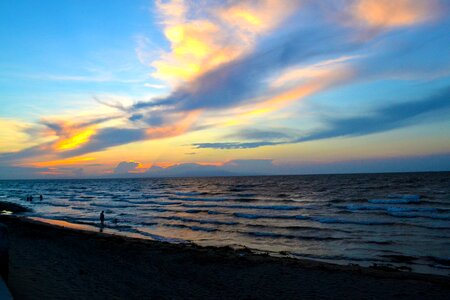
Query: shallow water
398	219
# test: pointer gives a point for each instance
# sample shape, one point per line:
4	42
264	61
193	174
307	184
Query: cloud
399	13
230	168
20	172
125	167
257	134
203	37
154	85
13	135
235	145
243	79
108	137
385	118
380	120
228	66
424	163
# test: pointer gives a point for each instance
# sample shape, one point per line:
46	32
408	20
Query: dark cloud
13	172
234	167
385	118
11	157
256	134
234	145
55	126
58	126
125	167
19	172
112	104
380	120
244	78
76	172
103	139
108	137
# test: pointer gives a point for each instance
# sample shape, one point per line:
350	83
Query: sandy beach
54	262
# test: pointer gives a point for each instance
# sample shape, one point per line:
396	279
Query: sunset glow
290	85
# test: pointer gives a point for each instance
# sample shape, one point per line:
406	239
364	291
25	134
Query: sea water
397	220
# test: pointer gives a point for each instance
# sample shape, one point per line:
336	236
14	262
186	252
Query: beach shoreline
95	265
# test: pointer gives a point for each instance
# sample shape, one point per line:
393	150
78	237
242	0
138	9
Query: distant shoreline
140	176
83	261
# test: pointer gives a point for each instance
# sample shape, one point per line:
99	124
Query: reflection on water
398	219
66	224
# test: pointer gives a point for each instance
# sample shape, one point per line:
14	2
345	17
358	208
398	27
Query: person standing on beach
102	218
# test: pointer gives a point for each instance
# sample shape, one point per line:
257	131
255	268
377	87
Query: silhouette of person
102	218
40	197
31	198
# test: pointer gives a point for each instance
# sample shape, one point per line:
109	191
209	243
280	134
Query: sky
197	88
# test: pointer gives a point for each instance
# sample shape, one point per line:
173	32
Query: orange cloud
176	129
70	135
256	17
388	13
218	35
297	84
76	139
63	162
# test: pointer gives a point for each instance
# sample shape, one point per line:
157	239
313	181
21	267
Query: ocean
399	220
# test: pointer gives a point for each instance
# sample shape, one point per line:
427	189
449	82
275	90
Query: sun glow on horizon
212	82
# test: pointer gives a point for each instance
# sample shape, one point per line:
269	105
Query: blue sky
87	86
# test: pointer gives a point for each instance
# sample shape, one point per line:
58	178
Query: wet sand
53	262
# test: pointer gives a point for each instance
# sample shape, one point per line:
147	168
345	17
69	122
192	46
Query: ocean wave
152	202
256	216
53	204
334	257
393	201
149	223
110	205
195	211
445	261
327	220
188	193
204	199
397	199
212	212
147	196
264	207
358	207
245	195
324	220
299	228
157	209
290	236
419	215
194	228
404	196
183	219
